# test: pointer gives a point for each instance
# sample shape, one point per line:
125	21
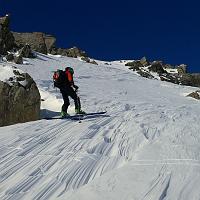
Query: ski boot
64	114
79	112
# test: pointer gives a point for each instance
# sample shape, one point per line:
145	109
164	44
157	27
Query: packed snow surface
146	147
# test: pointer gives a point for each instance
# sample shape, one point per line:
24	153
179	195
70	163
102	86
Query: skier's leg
77	101
65	99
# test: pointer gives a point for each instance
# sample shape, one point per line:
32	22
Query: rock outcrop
10	57
7	41
20	100
190	79
43	43
195	95
144	61
166	72
35	40
157	67
72	52
50	42
26	52
182	69
18	59
134	65
88	60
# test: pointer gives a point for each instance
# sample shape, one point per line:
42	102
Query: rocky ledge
165	72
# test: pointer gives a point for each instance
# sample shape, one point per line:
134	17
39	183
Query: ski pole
78	102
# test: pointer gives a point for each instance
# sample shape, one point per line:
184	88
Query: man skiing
64	81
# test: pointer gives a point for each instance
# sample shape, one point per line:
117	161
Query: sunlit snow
146	147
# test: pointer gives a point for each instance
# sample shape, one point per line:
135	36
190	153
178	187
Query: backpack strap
69	77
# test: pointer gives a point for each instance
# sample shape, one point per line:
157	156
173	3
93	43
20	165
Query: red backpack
59	78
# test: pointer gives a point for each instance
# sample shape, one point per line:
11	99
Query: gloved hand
75	87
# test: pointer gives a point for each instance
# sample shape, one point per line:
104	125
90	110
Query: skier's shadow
48	113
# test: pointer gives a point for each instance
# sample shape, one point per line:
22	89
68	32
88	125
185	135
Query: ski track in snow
146	128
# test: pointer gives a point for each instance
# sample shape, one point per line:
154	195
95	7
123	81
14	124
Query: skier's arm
71	81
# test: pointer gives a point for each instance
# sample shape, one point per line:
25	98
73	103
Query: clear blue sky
160	30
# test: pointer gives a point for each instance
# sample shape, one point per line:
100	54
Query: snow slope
147	147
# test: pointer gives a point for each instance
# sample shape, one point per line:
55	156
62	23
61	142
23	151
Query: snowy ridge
147	148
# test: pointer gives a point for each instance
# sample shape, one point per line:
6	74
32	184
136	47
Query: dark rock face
19	102
179	76
18	60
10	57
6	37
35	40
50	42
170	78
60	51
184	79
135	65
182	69
26	52
145	74
53	51
157	67
76	52
190	80
144	61
72	52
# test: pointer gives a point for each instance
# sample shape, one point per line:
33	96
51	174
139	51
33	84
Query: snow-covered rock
19	97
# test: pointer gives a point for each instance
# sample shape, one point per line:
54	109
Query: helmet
69	69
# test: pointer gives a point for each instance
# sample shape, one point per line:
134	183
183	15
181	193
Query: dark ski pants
66	92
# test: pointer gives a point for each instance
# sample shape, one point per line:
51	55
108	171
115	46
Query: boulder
18	59
76	52
135	65
190	79
182	69
10	57
26	52
53	51
157	67
72	52
144	61
194	95
20	101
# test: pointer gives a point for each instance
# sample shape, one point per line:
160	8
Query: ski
92	113
76	116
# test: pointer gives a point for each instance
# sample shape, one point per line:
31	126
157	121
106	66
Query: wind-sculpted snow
145	147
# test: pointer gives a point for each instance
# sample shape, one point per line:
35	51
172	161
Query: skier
64	81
